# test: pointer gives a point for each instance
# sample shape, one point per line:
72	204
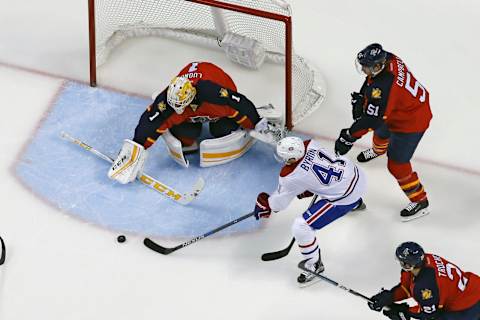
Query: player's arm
375	104
376	97
386	297
154	121
243	110
278	200
427	295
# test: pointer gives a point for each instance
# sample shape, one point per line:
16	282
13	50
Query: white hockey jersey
336	179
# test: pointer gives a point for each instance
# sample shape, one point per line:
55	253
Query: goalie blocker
129	162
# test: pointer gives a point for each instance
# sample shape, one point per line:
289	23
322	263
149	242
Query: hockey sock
408	180
380	145
306	240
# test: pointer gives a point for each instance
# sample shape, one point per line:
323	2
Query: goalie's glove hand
262	208
305	194
397	311
344	142
380	300
357	105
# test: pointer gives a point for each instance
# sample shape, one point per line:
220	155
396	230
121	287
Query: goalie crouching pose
312	170
201	92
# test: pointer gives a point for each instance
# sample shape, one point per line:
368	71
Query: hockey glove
305	194
344	142
397	311
357	105
262	208
380	300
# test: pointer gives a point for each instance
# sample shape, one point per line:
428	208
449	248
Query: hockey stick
269	256
147	180
158	248
4	252
302	266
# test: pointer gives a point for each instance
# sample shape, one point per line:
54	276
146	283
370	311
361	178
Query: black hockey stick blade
157	248
4	252
162	250
278	254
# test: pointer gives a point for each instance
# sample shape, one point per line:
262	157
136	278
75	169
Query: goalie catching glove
262	208
129	163
268	132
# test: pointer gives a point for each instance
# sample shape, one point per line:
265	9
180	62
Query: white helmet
290	149
180	94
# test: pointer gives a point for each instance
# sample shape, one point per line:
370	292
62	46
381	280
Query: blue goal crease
76	181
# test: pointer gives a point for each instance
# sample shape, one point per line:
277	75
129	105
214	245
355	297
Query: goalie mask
180	94
290	149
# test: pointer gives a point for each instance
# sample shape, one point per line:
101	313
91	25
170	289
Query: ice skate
367	155
306	279
415	210
362	206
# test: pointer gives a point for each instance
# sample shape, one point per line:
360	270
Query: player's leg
381	137
401	149
187	133
223	127
303	229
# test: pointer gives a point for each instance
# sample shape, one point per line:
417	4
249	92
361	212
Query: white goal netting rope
117	20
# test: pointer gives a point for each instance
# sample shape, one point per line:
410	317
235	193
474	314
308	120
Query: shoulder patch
162	106
223	93
376	93
426	294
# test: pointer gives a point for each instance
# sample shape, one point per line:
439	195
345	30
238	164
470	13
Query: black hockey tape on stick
269	256
163	250
4	252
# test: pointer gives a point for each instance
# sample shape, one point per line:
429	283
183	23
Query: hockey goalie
200	93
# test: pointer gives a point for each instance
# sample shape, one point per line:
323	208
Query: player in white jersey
310	169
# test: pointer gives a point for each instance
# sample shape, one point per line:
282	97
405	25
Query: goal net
256	30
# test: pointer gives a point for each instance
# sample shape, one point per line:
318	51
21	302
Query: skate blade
419	214
309	283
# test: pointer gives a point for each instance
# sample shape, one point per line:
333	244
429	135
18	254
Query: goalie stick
4	252
147	180
163	250
269	256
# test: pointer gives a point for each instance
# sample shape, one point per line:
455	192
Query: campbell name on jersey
336	179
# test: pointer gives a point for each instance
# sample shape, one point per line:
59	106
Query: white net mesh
117	20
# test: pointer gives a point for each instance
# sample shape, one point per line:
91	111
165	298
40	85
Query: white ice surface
61	268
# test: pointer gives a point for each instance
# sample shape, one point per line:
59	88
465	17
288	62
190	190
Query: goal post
268	23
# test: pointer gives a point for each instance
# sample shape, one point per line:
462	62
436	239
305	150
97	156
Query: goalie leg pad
225	149
175	150
129	163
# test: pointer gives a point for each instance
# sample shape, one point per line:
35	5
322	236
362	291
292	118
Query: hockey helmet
371	59
410	255
180	94
290	149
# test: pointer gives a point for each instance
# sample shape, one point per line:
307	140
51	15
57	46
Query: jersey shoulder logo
162	106
376	93
223	93
426	294
194	106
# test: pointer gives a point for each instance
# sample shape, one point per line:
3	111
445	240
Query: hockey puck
121	239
